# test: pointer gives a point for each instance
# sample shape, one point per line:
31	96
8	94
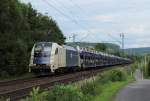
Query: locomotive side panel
60	60
71	58
62	57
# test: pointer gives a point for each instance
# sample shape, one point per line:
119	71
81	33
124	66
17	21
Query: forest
20	27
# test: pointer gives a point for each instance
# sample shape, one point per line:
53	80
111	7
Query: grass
110	89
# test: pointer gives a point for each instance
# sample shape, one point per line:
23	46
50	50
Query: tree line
20	27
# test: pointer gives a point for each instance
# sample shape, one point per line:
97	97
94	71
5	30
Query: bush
103	77
36	95
4	99
113	75
4	74
133	67
118	75
66	93
90	88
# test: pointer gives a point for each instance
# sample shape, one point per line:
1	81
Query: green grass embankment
110	89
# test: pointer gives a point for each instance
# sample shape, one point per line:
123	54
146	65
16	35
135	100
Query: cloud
138	29
102	18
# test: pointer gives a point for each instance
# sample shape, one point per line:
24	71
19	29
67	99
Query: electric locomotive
48	57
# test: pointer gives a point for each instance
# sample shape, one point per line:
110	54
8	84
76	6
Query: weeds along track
18	89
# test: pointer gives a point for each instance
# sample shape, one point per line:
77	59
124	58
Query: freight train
49	57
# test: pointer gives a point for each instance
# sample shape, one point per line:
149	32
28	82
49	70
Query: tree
100	47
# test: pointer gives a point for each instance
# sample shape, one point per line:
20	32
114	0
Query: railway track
15	81
21	88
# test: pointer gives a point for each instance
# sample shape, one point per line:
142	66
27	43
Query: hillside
109	46
113	47
139	51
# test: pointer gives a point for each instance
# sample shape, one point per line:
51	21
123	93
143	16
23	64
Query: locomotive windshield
47	47
42	52
43	46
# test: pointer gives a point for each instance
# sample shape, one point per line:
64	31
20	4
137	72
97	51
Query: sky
100	20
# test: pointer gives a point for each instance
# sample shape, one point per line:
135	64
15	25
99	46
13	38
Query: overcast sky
100	20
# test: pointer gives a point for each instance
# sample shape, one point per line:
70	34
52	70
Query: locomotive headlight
37	49
30	65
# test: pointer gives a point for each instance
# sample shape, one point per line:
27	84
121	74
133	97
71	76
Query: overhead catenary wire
64	7
77	6
82	11
72	18
65	15
62	13
117	40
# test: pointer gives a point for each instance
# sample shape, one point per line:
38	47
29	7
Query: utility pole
74	38
122	38
145	69
122	42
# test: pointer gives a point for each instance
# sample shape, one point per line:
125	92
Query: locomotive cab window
47	47
56	51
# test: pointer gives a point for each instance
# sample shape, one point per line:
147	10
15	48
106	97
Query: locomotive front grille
41	66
